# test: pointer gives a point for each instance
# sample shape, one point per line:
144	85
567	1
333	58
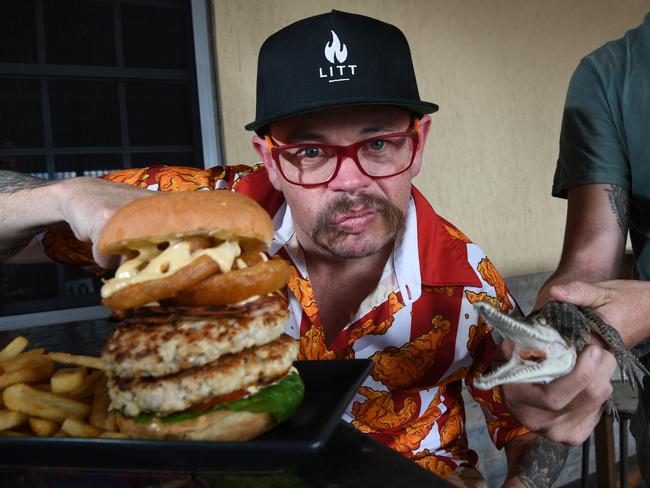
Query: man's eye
376	145
311	152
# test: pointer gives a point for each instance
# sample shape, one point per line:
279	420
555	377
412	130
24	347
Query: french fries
10	419
14	348
87	387
37	398
75	360
41	404
100	417
113	435
67	379
21	360
43	428
77	428
40	369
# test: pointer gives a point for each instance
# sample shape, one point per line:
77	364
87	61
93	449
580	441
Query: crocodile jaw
540	354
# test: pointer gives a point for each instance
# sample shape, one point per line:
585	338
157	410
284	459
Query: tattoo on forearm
13	182
540	463
619	201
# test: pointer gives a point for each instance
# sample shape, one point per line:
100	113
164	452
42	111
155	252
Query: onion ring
139	294
236	285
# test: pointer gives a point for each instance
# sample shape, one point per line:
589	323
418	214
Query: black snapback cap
333	60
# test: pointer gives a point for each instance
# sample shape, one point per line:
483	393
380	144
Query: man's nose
349	177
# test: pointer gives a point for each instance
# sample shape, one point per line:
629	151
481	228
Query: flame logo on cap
334	49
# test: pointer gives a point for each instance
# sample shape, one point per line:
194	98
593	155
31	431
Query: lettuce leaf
281	400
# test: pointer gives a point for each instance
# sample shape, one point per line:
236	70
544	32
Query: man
603	170
340	131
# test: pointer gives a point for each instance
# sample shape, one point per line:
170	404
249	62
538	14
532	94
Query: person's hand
623	304
567	409
86	204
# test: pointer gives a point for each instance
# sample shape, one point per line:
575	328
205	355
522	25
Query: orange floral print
442	290
134	177
397	368
378	414
481	297
241	170
313	346
513	433
183	179
429	461
303	292
371	327
476	335
492	276
496	396
457	234
414	432
345	353
452	429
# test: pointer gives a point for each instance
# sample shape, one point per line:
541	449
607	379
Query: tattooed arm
534	461
567	409
18	227
591	265
594	238
29	205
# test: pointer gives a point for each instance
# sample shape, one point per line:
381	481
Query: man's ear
263	151
425	126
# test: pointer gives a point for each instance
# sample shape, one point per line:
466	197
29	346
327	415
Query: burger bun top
167	216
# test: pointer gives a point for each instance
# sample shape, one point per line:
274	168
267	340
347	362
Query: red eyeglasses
313	164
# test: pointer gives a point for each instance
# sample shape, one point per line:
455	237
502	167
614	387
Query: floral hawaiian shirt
418	326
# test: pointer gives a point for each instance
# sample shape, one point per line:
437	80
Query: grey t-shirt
605	134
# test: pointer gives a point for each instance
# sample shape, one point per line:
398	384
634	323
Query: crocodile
547	343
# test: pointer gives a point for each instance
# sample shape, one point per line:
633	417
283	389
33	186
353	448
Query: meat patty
227	374
144	349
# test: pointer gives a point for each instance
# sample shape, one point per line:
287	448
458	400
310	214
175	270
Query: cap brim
412	105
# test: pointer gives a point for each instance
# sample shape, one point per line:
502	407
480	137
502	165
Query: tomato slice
228	397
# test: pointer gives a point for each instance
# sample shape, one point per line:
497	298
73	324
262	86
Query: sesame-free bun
222	425
164	216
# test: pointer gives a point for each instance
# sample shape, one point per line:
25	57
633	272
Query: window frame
208	111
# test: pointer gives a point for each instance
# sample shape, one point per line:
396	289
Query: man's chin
353	247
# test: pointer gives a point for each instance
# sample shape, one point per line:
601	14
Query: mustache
393	216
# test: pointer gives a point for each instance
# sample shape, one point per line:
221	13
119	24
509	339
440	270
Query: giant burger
200	350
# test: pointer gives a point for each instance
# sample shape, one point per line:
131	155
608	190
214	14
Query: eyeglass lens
315	163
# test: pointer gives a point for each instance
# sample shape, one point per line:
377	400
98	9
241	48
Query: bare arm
567	409
30	205
592	259
534	461
18	190
594	237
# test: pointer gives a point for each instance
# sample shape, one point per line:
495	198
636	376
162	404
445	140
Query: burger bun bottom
222	425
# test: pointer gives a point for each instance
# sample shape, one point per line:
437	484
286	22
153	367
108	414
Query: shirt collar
284	236
443	253
425	253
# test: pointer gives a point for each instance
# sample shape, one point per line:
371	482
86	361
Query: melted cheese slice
157	264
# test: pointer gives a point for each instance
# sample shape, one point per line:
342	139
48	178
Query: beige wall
499	71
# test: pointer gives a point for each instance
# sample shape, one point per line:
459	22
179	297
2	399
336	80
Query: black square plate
329	387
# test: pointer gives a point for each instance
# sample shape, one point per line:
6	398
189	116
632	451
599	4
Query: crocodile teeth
555	357
510	327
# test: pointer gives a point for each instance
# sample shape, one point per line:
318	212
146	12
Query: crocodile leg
628	363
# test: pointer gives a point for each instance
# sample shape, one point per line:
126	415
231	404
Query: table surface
349	458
